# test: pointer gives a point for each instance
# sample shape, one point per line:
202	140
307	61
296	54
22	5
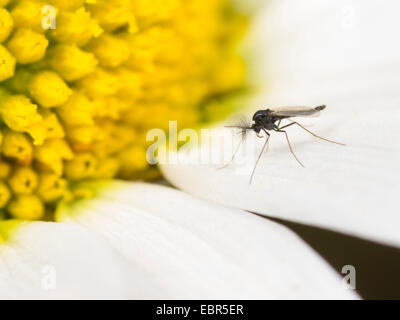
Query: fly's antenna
239	127
243	137
243	130
244	125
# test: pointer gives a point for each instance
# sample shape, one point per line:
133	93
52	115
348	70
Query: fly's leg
233	156
244	129
259	156
310	132
290	146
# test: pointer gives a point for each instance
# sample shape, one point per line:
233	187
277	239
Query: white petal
43	260
332	52
339	53
201	250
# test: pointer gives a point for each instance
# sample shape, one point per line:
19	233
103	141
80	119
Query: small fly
270	119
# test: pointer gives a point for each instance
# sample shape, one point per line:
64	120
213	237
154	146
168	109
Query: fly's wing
300	111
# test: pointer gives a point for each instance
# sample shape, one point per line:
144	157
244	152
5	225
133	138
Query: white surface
201	250
46	260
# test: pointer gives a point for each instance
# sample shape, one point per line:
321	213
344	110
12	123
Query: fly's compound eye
260	115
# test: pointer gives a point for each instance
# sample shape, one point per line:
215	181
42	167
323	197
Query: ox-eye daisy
76	103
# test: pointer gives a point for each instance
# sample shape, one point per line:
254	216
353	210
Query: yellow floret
82	166
27	46
28	14
114	138
99	83
19	113
110	50
5	169
51	187
6	24
81	137
107	168
5	194
78	110
75	27
48	128
114	14
51	155
17	146
26	207
71	62
23	180
7	64
48	89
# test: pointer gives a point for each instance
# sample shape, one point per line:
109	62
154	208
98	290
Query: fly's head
262	119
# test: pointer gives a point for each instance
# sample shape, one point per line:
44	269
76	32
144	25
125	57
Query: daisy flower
83	82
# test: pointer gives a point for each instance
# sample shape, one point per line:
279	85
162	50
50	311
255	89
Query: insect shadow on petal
270	120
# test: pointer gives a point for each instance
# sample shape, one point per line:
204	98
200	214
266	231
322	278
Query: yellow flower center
82	81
